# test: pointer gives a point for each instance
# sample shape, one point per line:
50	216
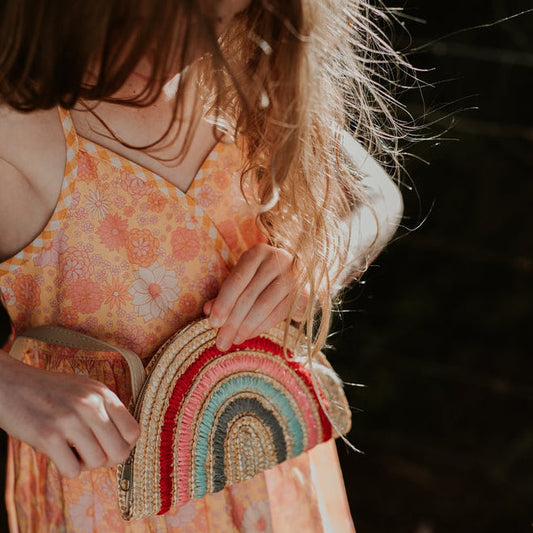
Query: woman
159	160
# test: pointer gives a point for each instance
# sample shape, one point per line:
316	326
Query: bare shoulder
23	134
32	159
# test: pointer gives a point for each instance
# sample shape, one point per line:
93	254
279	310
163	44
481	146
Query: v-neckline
204	128
75	143
120	161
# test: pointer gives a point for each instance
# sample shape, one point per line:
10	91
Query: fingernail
223	344
215	322
238	340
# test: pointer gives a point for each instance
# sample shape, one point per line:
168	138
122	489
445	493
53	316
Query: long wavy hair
287	76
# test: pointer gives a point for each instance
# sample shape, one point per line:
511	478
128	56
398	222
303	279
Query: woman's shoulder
32	159
26	136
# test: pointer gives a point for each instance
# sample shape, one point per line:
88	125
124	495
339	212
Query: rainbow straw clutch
210	419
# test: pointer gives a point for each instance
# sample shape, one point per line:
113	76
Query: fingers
114	429
251	307
76	421
237	282
103	432
239	294
65	458
85	445
299	308
72	451
208	306
124	422
248	316
252	327
255	296
95	431
277	315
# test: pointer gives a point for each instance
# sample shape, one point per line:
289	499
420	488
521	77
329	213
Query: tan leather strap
72	339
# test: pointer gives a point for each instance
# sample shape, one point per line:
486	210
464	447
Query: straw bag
210	419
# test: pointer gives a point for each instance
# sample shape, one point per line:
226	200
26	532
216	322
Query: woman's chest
151	137
126	253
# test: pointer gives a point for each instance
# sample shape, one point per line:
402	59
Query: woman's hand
255	296
76	421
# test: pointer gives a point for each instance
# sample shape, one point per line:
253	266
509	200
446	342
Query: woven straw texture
211	419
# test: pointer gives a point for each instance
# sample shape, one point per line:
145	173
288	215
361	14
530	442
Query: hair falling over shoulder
302	73
288	76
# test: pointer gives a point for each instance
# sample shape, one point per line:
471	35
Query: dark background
440	333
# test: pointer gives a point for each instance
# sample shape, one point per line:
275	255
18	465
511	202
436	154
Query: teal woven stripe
207	424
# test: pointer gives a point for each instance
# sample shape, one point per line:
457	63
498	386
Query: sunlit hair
304	72
287	76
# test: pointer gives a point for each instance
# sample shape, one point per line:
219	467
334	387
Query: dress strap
71	142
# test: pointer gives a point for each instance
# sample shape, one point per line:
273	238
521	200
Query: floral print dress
128	258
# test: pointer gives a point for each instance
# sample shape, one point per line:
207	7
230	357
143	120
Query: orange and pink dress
129	258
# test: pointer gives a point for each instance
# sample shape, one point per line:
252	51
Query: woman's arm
77	422
371	224
256	294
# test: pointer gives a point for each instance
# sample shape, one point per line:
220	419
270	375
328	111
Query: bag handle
73	339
